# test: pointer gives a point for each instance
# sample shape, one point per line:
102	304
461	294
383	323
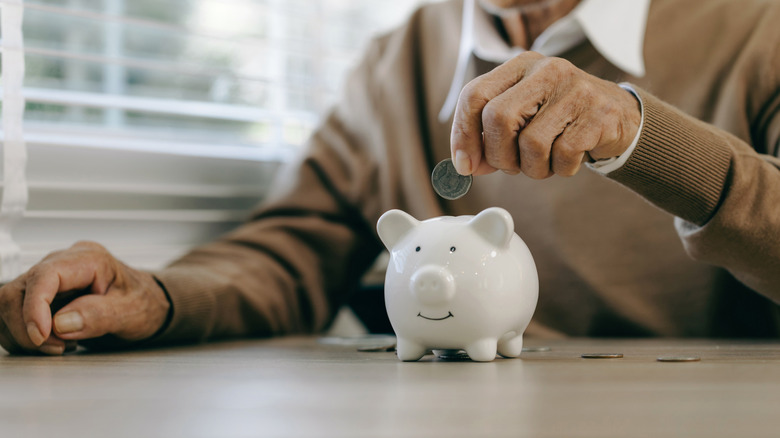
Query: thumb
90	316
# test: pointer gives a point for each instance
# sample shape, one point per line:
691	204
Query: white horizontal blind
14	196
154	125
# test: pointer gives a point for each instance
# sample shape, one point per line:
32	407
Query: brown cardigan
610	262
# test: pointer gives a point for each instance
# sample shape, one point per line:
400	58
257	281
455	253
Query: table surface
295	387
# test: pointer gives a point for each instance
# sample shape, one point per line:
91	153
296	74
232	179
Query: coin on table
376	348
678	359
454	356
535	349
447	182
602	355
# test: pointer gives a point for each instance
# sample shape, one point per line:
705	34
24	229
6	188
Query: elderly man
671	228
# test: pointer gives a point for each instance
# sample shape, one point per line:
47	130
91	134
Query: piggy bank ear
393	226
494	225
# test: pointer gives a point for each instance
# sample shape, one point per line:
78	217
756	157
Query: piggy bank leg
511	345
483	350
409	350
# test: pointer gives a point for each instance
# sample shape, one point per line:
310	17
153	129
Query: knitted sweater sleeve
724	193
291	266
269	276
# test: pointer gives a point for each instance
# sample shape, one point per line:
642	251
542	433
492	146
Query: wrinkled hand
540	116
117	300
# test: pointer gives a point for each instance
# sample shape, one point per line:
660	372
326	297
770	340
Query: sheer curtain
150	125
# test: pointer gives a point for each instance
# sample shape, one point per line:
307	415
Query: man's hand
540	116
117	300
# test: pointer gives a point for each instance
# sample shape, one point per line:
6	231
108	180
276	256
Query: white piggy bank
466	282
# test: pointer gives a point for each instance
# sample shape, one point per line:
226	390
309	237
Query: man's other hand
112	299
540	116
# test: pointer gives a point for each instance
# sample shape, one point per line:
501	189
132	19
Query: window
151	126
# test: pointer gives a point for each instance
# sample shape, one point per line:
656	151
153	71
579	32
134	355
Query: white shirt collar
616	28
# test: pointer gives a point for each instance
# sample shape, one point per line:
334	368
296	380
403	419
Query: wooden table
297	387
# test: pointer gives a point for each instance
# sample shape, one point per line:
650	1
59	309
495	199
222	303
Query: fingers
466	139
522	124
569	149
555	124
136	309
7	340
505	120
15	335
87	317
129	313
540	116
81	268
52	346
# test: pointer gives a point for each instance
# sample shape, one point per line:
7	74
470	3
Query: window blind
151	126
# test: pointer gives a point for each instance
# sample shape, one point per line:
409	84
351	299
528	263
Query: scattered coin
377	348
602	355
535	349
679	359
447	182
455	357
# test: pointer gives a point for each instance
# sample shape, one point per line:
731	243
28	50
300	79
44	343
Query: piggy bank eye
417	249
452	249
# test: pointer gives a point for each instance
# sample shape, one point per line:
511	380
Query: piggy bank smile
475	266
449	315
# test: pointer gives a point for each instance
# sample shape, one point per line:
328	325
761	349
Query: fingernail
35	335
68	322
462	163
53	350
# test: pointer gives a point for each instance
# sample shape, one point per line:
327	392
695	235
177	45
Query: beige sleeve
724	192
294	263
291	266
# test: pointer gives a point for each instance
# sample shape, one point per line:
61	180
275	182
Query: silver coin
377	348
535	349
602	355
447	182
454	357
678	359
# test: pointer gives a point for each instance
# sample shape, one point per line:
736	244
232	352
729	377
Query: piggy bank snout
433	285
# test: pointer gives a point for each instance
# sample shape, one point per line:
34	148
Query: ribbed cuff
680	164
192	302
